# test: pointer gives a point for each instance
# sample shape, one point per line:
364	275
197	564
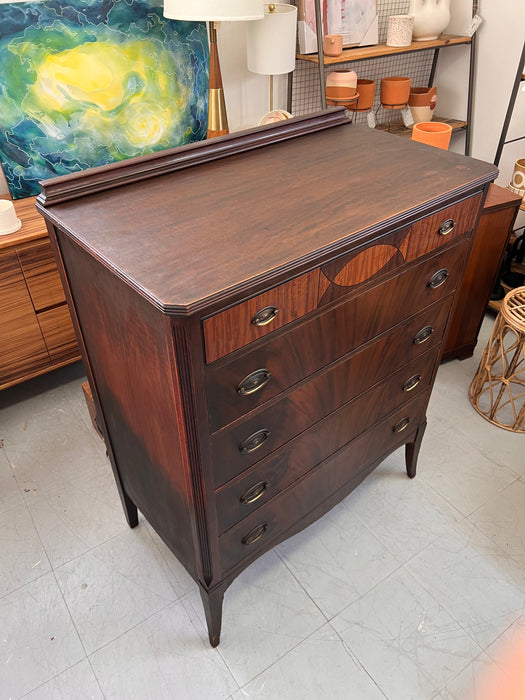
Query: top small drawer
439	229
252	319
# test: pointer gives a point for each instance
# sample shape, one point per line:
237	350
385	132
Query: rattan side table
497	392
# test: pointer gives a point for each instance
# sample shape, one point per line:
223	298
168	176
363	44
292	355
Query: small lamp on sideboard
214	11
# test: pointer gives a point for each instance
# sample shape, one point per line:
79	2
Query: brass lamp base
217	118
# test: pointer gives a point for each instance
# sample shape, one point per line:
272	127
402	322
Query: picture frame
355	20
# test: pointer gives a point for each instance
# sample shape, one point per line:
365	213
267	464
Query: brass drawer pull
412	382
254	441
254	493
423	335
401	425
265	316
446	227
253	382
255	534
438	278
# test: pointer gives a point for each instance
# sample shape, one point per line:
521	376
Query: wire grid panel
306	95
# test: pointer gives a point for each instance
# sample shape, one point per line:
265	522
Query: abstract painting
88	82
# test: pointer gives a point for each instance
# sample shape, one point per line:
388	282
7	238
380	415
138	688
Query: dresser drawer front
294	355
395	250
323	393
255	318
264	480
258	530
41	275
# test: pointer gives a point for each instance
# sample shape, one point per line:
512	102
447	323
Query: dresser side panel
129	348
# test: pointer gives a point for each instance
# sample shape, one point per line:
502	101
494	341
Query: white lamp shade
213	10
271	43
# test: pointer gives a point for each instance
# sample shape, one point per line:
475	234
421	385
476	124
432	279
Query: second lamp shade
271	41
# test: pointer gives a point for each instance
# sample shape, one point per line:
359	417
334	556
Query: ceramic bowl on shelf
276	115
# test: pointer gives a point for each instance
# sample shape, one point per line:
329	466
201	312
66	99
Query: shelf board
360	53
399	129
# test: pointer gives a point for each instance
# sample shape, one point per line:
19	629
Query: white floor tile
474	580
115	587
460	473
163	658
84	513
77	682
10	495
319	667
38	639
337	559
404	639
502	519
22	556
405	514
265	614
471	683
178	574
49	449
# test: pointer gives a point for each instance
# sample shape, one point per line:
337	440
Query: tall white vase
431	17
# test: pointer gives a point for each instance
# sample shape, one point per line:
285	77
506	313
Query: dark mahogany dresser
261	318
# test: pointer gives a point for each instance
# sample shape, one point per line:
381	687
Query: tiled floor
406	590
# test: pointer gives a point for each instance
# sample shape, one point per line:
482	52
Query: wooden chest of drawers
259	337
36	333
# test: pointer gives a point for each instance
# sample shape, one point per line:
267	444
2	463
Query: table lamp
271	43
213	11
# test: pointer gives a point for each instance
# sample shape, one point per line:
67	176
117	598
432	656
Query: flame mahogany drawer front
317	485
293	355
265	479
269	345
236	447
259	316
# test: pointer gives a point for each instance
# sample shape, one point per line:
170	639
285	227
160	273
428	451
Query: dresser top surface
189	238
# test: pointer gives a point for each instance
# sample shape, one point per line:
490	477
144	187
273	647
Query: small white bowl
276	115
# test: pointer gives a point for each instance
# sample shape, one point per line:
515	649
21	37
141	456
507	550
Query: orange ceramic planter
366	91
341	87
432	133
395	92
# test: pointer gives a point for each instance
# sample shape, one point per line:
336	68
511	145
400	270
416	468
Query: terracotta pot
366	91
333	44
395	92
341	87
422	102
432	133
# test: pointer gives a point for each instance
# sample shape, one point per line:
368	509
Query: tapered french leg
412	451
212	602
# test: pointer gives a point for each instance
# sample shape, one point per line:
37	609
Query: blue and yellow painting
89	82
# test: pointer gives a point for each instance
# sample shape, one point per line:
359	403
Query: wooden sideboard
36	333
262	317
492	236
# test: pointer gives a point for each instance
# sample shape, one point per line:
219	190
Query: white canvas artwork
356	20
351	18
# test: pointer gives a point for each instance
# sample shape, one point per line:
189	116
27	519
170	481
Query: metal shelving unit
306	90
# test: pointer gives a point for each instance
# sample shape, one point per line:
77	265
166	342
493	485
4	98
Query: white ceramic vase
431	17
